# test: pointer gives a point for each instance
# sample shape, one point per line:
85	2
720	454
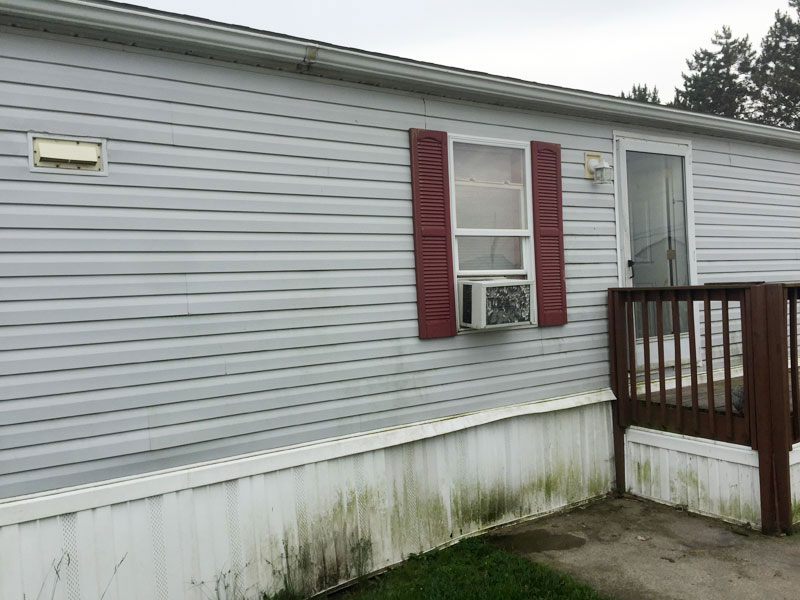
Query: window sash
526	234
490	184
510	272
523	240
477	202
493	232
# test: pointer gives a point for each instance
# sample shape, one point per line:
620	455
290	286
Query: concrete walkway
633	550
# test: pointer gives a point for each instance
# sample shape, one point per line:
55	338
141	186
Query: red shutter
430	189
548	234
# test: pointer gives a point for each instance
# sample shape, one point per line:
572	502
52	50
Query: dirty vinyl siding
243	278
313	526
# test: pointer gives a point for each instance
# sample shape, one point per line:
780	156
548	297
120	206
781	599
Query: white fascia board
145	28
141	26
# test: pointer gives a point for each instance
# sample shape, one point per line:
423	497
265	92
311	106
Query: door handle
630	266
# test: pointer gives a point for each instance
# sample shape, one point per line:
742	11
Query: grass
470	570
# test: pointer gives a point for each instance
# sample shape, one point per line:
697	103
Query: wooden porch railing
679	381
718	362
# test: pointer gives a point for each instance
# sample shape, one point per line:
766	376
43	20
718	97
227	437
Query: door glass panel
657	221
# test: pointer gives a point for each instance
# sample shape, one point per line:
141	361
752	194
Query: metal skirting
794	481
706	477
316	525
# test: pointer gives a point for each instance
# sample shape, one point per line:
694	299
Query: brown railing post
612	341
619	382
770	397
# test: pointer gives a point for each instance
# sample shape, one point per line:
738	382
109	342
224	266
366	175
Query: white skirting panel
794	481
707	477
312	526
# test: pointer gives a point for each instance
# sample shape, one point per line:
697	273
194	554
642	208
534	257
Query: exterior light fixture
598	169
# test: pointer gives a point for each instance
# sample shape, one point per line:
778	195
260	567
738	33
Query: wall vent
60	154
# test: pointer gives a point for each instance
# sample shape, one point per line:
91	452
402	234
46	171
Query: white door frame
624	141
638	142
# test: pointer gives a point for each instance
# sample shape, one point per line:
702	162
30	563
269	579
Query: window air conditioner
493	303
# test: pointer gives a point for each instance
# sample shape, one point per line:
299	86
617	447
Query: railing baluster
634	399
693	364
748	357
741	297
662	379
709	367
726	350
646	349
793	368
676	335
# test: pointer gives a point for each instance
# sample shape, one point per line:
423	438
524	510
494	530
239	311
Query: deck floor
671	394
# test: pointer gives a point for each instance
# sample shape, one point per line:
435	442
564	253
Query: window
492	221
481	209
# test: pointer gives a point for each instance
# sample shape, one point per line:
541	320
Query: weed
114	574
226	585
55	570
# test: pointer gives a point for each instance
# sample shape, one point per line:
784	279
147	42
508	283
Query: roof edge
178	32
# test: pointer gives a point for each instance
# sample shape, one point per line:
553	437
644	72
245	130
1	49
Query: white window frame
528	270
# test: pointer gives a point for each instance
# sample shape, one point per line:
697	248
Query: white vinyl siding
747	213
243	279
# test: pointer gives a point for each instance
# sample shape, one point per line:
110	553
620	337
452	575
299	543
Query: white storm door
656	227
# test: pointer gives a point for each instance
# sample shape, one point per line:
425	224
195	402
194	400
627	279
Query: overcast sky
603	46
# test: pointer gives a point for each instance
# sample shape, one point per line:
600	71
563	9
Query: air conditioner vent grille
508	304
466	308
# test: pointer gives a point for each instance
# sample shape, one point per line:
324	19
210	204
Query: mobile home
277	313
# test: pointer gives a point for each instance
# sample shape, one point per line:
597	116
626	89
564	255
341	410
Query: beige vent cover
67	154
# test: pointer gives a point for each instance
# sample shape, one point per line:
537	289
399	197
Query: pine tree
718	81
641	93
776	73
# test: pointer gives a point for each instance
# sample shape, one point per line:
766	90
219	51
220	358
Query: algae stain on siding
597	485
794	482
729	495
795	510
688	478
329	547
332	549
737	509
644	475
